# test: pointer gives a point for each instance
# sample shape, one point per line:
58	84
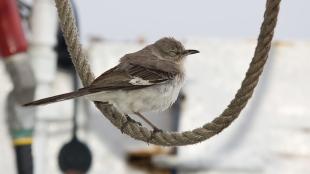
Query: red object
12	39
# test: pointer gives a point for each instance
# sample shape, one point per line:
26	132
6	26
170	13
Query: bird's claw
129	119
153	133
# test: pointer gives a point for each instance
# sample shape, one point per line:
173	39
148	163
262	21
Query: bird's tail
58	98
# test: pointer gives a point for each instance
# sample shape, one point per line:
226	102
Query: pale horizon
128	20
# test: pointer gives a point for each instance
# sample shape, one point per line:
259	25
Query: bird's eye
172	53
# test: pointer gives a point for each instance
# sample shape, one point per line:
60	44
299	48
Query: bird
147	80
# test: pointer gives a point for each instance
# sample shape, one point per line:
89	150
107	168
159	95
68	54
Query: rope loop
80	61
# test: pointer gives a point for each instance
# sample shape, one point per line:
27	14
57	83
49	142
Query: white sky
129	19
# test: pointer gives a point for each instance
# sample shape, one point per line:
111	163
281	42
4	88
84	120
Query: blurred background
272	134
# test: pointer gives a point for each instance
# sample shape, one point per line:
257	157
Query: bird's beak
188	52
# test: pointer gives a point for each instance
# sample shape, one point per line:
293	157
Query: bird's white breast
153	98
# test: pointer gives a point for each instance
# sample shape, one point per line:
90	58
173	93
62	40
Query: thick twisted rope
208	130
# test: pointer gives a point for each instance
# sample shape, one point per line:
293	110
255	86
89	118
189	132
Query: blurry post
13	47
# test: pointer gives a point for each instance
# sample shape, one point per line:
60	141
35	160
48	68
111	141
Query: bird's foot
153	133
129	119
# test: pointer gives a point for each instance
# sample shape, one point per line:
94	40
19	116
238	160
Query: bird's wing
132	77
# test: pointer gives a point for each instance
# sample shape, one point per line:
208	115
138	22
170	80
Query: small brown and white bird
147	80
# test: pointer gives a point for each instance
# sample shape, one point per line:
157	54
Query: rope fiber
80	61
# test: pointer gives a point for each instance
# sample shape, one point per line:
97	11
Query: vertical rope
70	31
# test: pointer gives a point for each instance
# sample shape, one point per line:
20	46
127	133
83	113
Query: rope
175	138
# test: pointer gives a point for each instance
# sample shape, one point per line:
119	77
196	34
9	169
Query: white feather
139	81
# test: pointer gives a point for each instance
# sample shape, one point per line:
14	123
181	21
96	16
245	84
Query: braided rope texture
80	61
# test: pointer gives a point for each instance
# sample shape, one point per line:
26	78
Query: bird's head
173	50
